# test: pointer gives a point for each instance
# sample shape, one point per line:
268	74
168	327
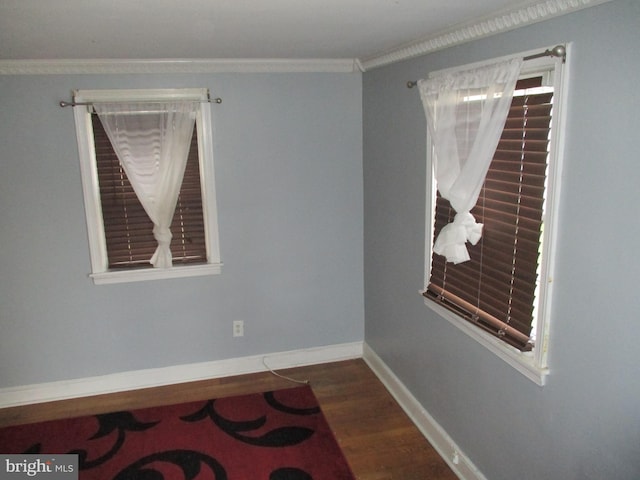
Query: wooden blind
128	229
496	289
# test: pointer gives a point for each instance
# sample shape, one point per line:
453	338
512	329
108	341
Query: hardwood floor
378	439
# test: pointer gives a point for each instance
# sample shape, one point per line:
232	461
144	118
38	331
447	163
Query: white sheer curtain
466	113
152	142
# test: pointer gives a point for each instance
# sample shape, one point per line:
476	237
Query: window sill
103	278
523	362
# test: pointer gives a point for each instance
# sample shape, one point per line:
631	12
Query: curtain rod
557	51
73	104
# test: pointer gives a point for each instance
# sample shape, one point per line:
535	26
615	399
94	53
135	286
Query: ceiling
231	29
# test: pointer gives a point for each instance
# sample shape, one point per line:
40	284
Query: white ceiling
230	29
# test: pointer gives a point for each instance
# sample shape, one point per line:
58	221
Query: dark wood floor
378	439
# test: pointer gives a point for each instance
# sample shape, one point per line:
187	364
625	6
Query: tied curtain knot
452	238
162	257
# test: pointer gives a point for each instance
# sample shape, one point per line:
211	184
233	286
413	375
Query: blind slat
481	318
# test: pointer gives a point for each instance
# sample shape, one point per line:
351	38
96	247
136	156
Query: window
121	236
501	297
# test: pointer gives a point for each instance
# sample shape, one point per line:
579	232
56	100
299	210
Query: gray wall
288	160
585	423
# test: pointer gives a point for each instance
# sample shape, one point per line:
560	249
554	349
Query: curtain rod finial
559	51
411	83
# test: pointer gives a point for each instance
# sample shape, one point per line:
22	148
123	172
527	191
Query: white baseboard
434	433
155	377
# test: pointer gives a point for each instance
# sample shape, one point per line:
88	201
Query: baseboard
155	377
434	433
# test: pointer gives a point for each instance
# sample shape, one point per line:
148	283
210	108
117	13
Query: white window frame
534	364
100	272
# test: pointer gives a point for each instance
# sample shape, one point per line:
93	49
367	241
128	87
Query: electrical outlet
238	328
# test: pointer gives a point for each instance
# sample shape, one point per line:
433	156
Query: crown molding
163	66
523	15
503	21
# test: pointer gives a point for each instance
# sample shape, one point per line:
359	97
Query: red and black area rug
278	435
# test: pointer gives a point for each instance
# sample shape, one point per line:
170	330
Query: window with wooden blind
503	290
496	288
128	229
121	236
